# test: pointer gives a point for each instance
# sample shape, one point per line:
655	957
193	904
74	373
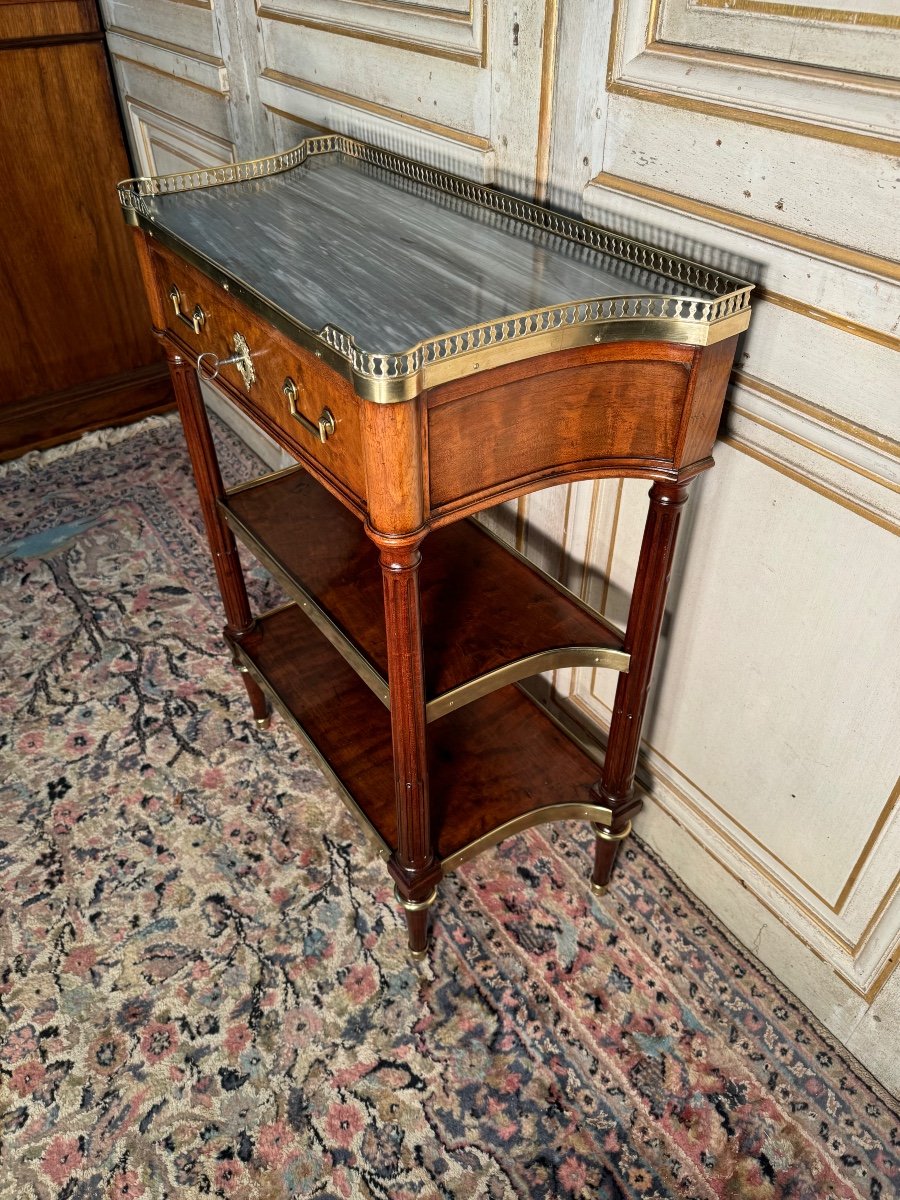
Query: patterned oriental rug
203	984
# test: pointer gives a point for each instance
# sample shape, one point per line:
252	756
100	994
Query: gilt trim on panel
545	110
594	713
180	63
638	78
828	493
795	12
382	110
764	229
474	55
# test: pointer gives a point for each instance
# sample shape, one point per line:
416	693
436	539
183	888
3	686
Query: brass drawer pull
323	428
196	320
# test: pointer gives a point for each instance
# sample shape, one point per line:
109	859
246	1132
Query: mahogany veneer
500	746
482	607
410	623
78	353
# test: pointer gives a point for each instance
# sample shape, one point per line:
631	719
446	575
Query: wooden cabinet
372	315
77	352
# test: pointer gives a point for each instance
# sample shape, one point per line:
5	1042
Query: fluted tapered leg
645	616
208	478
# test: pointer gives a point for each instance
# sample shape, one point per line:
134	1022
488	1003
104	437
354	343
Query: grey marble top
391	261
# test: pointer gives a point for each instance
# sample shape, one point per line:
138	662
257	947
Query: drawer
207	321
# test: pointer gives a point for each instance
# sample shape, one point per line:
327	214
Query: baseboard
42	421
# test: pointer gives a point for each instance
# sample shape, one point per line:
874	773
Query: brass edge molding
475	141
474	57
524	668
549	38
844	324
269	477
814	485
881	480
859	432
818	247
799	12
597	814
390	378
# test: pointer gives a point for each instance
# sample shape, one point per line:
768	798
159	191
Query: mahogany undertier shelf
424	347
489	617
497	765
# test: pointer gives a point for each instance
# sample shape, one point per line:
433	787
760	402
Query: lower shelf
496	766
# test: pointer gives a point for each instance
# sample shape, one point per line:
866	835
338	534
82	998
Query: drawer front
614	409
290	384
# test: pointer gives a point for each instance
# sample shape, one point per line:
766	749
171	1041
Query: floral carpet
203	983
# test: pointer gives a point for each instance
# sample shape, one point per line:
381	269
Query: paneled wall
761	135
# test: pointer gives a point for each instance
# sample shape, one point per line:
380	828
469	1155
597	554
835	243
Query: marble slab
389	260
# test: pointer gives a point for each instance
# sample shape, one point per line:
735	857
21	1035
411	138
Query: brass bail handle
323	428
196	320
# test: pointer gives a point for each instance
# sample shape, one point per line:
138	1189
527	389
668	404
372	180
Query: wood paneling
41	19
71	291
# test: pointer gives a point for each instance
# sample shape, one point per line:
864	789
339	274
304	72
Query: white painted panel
758	172
168	144
195	106
781	86
438	30
176	61
444	93
392	132
181	25
812	278
778	681
809	99
824	36
847	375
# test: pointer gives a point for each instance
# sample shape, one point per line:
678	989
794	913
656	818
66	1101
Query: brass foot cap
599	889
418	955
263	722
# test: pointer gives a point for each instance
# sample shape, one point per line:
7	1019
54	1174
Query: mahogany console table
426	347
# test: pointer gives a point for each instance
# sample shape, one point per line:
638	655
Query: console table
425	347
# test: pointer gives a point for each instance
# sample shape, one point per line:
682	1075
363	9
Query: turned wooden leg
412	865
645	616
202	451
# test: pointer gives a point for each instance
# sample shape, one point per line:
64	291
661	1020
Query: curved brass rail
389	378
